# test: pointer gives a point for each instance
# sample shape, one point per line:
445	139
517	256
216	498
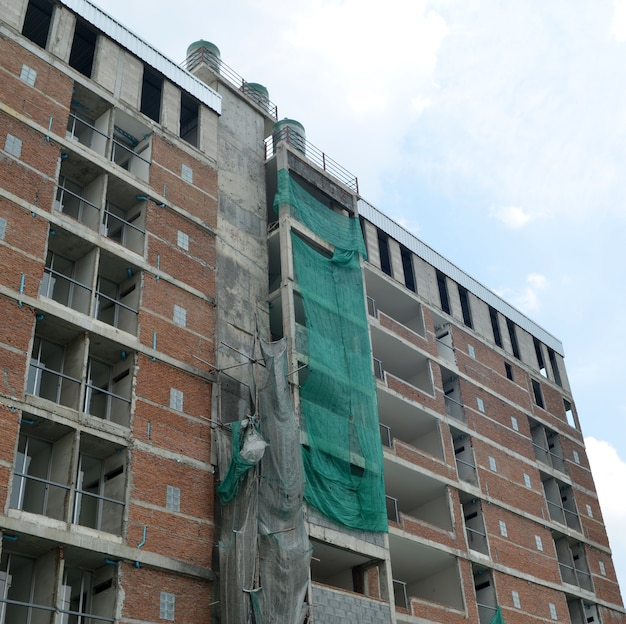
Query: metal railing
50	384
312	153
485	613
75	206
575	576
117	227
559	514
454	408
90	511
82	131
64	290
204	56
46	486
110	314
546	456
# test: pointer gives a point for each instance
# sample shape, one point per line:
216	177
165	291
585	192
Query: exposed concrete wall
170	107
62	33
396	261
13	12
129	90
371	242
106	62
242	265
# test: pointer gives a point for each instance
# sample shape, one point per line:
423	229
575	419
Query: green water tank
291	131
202	51
258	93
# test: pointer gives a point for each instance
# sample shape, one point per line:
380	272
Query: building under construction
232	391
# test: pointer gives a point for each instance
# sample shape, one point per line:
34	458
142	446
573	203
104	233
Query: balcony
409	425
547	446
561	503
474	524
464	457
452	395
573	563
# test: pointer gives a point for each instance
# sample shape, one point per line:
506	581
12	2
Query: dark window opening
495	326
362	223
509	371
189	112
555	367
151	89
537	393
465	307
539	353
83	48
407	266
383	250
37	21
513	336
443	292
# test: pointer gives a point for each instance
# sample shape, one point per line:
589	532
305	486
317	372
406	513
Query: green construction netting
342	452
497	618
335	228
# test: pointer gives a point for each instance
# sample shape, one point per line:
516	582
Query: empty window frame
28	75
88	593
13	145
555	366
37	21
83	48
537	393
407	267
151	91
541	364
495	326
513	337
569	413
23	595
189	118
100	488
508	370
465	306
383	251
443	292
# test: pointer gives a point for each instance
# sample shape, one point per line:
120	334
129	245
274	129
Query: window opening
465	306
471	351
100	487
553	614
176	399
3	227
151	89
443	292
514	423
108	391
576	456
407	266
383	250
537	393
481	404
569	413
538	542
503	529
495	326
83	48
492	464
37	21
555	367
189	113
509	371
84	595
516	601
527	481
540	360
513	336
602	568
589	510
180	316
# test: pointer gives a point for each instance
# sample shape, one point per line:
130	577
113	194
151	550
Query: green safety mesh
342	452
333	227
237	469
497	618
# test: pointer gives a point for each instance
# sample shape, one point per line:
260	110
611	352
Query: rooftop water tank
291	131
202	51
258	93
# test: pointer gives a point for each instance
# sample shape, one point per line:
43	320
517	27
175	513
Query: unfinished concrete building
234	391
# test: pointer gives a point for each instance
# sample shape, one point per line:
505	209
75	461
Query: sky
493	130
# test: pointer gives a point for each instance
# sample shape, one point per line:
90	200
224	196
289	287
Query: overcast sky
493	130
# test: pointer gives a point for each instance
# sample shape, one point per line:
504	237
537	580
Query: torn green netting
342	452
247	451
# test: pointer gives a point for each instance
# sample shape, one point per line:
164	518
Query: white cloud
609	473
618	25
512	217
528	299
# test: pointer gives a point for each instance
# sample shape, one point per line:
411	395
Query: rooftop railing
312	153
204	56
